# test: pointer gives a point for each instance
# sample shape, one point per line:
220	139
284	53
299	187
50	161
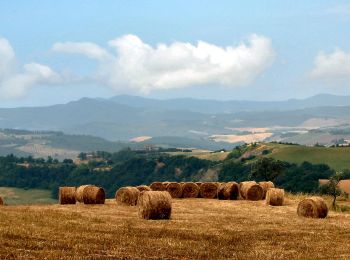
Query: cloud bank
332	68
15	80
131	63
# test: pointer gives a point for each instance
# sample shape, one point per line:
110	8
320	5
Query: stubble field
199	228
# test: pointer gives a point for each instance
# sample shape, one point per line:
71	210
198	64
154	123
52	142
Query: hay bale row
275	197
94	195
250	190
127	196
313	207
266	185
154	205
228	191
80	193
208	190
66	195
190	190
157	186
87	194
174	189
143	188
199	184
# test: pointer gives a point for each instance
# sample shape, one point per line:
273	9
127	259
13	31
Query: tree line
128	167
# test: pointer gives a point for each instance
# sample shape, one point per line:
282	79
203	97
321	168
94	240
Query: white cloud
130	63
88	49
7	57
332	68
142	67
15	81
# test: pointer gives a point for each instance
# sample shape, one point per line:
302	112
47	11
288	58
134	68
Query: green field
337	158
15	196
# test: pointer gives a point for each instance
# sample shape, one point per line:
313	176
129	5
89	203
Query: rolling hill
337	158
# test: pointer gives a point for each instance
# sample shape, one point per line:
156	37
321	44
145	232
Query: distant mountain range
232	106
122	118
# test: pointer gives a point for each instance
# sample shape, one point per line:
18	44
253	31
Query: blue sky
304	47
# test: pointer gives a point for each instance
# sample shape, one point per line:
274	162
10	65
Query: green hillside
336	157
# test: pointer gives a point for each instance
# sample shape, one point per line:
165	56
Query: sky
58	51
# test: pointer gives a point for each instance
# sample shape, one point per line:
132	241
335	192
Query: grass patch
16	196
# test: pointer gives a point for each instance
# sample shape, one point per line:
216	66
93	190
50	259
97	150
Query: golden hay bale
154	205
174	189
143	188
208	190
94	195
165	183
199	183
313	207
228	191
127	196
266	185
190	190
80	192
157	186
250	190
67	195
275	197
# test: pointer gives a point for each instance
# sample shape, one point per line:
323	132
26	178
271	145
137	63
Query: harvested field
199	228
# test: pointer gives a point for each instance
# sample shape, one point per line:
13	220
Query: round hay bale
313	207
190	190
250	190
80	192
199	184
165	183
275	197
94	195
228	191
157	186
127	196
143	188
1	201
208	190
66	195
174	189
266	185
154	205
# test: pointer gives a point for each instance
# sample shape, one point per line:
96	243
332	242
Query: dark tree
267	169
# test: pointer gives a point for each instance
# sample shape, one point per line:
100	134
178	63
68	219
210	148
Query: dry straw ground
200	228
